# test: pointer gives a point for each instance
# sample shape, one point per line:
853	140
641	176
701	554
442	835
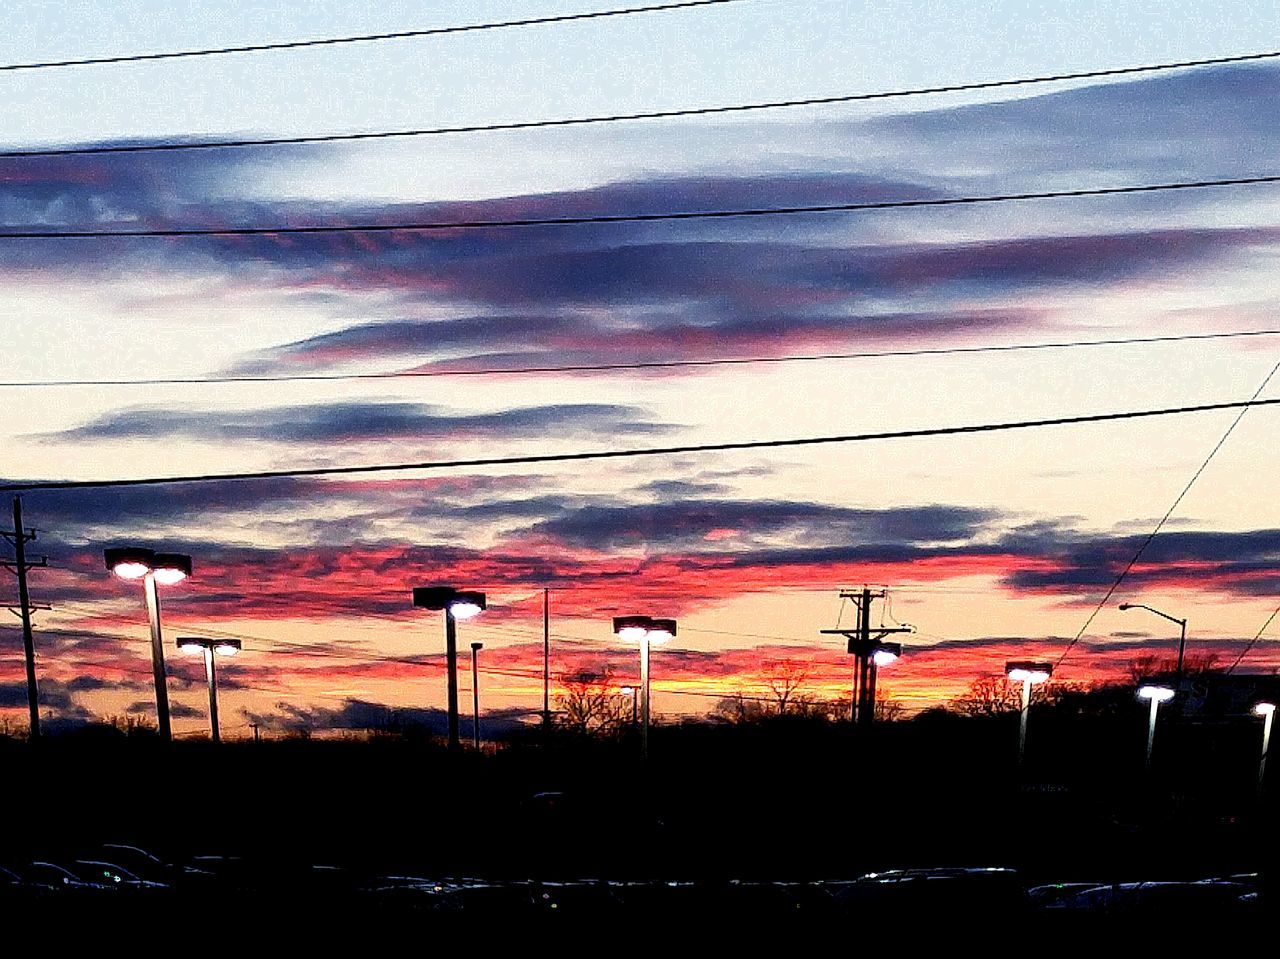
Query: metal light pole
457	604
645	630
152	568
1268	712
1156	695
208	648
1027	673
630	691
1182	641
475	696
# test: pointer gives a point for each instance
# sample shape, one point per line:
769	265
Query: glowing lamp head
461	604
467	604
1124	606
192	647
1264	709
1028	672
627	690
170	568
884	657
227	647
631	628
129	562
1159	694
662	630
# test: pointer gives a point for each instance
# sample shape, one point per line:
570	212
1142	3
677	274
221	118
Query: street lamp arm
1151	609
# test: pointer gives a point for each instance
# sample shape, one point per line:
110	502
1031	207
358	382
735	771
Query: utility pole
19	538
475	696
864	646
254	727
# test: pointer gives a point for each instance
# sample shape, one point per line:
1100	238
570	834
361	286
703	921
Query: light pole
475	696
630	691
165	569
1182	642
1267	711
1155	695
1028	673
457	604
208	648
645	630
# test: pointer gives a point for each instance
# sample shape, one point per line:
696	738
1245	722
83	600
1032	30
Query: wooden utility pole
864	642
19	538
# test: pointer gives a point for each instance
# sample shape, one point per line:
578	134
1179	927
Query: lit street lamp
457	604
208	648
475	695
630	691
165	569
1029	674
644	630
1268	712
1182	642
1156	695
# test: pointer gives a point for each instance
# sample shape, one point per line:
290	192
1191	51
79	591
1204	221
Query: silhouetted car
51	876
989	892
112	875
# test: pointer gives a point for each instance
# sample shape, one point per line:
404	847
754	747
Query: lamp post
164	569
630	691
1268	712
208	648
1155	695
645	630
457	604
1029	674
1182	641
475	696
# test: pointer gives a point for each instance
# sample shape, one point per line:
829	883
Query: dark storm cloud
358	422
690	522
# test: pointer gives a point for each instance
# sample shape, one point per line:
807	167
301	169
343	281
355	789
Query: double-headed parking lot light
139	562
1156	694
209	649
1029	674
644	630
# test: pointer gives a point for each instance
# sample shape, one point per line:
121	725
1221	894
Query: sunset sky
993	547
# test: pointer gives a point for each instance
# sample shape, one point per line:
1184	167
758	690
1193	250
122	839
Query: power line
631	453
1253	642
1244	408
359	38
431	226
677	113
641	365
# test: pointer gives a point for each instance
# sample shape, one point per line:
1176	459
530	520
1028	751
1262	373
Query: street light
630	691
1029	674
645	630
138	562
209	648
1182	642
457	604
1156	695
475	695
1267	711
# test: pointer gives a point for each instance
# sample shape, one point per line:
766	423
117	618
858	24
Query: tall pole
1151	731
211	677
24	601
644	697
157	658
1266	743
1182	645
864	642
1022	724
451	657
546	660
475	695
